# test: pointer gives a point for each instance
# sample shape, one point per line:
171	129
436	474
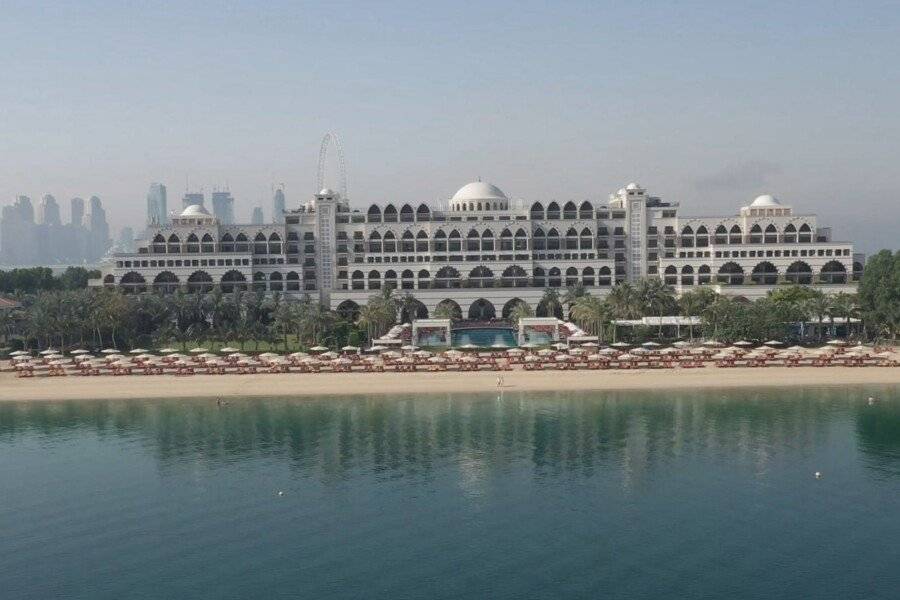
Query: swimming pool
484	336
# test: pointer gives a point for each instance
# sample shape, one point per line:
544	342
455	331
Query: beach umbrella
350	349
836	343
437	360
640	351
628	357
713	344
797	348
48	351
859	348
743	343
342	361
409	347
207	355
560	346
138	351
19	353
594	357
609	351
469	347
319	349
681	344
528	345
515	351
453	353
371	359
79	351
109	351
198	350
228	349
377	349
577	350
620	345
298	354
499	345
531	358
328	355
546	352
563	357
168	350
589	345
773	343
422	353
650	345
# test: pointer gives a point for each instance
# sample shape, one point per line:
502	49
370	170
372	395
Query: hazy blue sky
701	102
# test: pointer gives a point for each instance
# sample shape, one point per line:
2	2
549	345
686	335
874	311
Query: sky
705	103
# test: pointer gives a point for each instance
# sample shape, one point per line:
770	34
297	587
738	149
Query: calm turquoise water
486	336
532	496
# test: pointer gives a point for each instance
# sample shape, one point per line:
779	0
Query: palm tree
714	315
689	306
408	307
656	298
623	301
519	311
844	305
818	307
593	313
573	294
550	303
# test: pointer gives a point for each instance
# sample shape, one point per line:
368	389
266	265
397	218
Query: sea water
600	495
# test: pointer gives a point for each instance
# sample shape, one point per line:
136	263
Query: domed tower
478	196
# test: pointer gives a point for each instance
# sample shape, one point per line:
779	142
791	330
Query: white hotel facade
485	252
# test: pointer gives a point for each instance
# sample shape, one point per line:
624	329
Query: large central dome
479	190
478	196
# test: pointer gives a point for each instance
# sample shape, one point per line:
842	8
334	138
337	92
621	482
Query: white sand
13	388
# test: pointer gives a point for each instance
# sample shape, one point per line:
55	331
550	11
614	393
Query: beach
13	388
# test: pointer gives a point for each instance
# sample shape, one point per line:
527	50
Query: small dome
621	192
765	200
479	190
326	192
633	186
195	210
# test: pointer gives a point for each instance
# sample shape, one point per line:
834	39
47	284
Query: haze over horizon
706	106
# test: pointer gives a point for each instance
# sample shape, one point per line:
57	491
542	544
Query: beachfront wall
483	251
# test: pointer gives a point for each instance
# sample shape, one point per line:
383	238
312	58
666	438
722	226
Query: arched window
553	210
275	282
764	273
232	281
424	279
193	244
571	277
259	281
447	277
521	241
571	239
587	276
481	277
805	236
450	307
604	276
730	273
687	275
585	211
537	212
721	235
790	234
454	241
241	243
109	280
540	240
390	279
833	272
274	244
348	310
570	211
133	283
165	283
406	214
670	276
553	239
374	242
158	245
586	241
554	277
199	282
174	246
702	237
374	214
293	281
207	244
422	241
687	237
407	280
487	241
390	242
506	240
374	280
858	269
423	213
407	242
756	234
734	236
440	241
473	241
259	244
771	234
539	277
704	274
482	310
390	214
358	280
514	276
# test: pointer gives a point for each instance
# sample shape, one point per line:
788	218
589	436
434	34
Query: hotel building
483	252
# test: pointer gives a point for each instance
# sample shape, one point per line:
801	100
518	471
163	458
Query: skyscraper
278	206
98	230
157	205
223	207
191	198
48	211
257	218
76	211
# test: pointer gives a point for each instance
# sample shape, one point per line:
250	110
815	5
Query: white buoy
871	400
818	475
280	493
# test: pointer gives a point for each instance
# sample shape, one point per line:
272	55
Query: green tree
879	294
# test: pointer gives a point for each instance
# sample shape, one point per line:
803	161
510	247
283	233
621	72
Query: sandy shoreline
13	388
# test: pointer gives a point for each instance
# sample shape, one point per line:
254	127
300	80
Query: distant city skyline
713	104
